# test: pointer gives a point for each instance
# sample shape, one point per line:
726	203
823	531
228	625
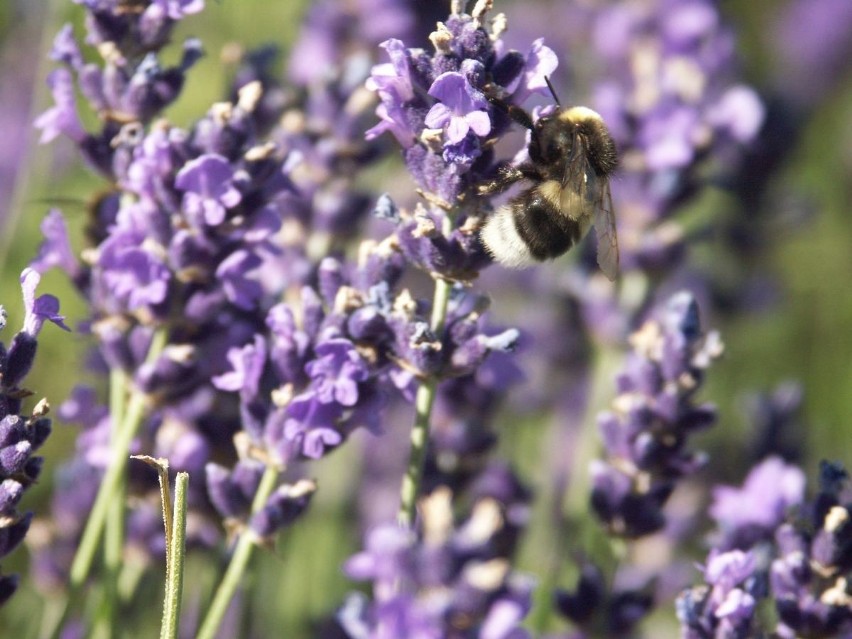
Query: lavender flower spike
435	104
725	608
21	435
646	433
810	578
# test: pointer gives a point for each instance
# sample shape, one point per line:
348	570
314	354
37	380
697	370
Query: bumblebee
571	158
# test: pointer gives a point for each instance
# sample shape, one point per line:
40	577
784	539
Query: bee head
552	139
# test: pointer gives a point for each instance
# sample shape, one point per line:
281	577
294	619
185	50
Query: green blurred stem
177	551
604	366
607	359
111	487
423	403
239	561
114	528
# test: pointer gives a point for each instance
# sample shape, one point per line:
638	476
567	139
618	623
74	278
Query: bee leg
507	175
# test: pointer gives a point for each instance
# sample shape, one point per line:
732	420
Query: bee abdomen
539	222
530	228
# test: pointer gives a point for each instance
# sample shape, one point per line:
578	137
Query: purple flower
337	371
136	277
56	250
539	65
757	508
392	81
727	608
809	577
38	309
207	182
61	119
233	272
457	576
151	171
247	362
460	108
231	490
313	425
65	48
727	569
289	345
739	113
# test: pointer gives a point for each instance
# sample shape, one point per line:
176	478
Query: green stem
239	561
114	476
423	403
115	526
417	455
604	366
177	551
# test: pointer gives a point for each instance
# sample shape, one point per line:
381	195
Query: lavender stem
177	550
604	366
419	438
115	528
113	477
239	561
423	403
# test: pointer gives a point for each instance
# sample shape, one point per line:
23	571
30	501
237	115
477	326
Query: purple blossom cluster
726	606
21	435
437	104
455	577
663	75
306	386
646	434
802	562
227	239
451	573
810	577
671	99
229	283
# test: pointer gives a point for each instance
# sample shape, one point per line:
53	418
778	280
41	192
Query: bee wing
576	166
605	230
579	193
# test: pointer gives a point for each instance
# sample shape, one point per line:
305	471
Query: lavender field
397	319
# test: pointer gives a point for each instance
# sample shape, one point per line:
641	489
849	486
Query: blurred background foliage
802	332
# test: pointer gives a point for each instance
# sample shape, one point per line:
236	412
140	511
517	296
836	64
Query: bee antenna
552	91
